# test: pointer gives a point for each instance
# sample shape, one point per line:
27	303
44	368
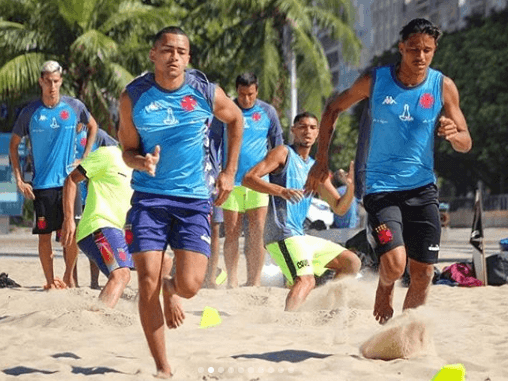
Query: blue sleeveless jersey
52	134
396	139
285	219
261	132
178	122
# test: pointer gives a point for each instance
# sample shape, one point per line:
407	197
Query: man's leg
301	289
421	277
190	272
213	261
94	276
233	228
115	285
46	258
391	267
148	266
70	256
345	264
254	248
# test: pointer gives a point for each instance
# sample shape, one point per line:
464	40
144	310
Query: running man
164	118
262	131
394	161
100	232
300	256
50	124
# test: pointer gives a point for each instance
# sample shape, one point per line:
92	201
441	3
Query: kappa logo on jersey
406	116
42	118
189	103
256	117
389	101
170	118
384	235
64	115
54	124
154	106
426	100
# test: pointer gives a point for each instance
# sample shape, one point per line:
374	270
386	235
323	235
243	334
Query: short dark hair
305	114
169	30
420	25
246	79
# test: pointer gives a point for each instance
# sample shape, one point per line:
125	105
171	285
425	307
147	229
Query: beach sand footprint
406	336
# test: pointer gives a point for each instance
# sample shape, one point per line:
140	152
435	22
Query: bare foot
57	284
383	310
173	311
163	375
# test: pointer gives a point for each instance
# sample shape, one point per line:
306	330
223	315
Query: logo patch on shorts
41	223
105	248
384	235
206	238
302	264
129	237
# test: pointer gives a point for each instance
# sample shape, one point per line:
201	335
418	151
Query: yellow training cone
210	318
221	278
453	372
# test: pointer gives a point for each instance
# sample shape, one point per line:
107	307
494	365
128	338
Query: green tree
101	44
234	36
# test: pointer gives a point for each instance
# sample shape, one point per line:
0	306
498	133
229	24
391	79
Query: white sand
62	335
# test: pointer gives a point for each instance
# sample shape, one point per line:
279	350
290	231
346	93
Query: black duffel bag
497	269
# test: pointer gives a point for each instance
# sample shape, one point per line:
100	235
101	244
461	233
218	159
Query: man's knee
307	282
121	275
188	288
393	264
421	274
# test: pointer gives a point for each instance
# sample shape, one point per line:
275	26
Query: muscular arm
335	105
453	126
24	188
340	205
228	112
92	128
275	159
69	195
129	140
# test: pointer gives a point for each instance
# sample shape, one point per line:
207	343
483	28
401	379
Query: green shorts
303	255
242	199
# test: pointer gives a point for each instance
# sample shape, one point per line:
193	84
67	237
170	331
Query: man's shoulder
198	80
71	100
142	80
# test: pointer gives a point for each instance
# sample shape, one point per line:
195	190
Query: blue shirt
285	219
396	140
52	134
178	122
261	132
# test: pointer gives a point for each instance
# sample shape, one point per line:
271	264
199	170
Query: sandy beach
67	335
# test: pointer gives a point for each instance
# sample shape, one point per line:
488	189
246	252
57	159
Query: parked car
320	216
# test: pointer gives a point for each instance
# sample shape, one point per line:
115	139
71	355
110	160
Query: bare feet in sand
383	310
163	375
57	284
173	311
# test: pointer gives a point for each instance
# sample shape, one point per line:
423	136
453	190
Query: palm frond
20	74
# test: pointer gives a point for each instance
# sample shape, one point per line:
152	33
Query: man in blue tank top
51	125
298	255
262	131
394	160
164	120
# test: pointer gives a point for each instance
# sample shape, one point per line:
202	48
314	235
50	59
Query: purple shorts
217	215
157	220
107	248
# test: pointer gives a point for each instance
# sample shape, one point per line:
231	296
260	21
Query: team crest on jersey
384	234
256	117
64	114
154	106
426	100
189	103
389	100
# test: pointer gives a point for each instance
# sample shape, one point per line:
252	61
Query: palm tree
101	44
247	35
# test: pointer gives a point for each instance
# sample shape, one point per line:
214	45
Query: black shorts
48	210
405	218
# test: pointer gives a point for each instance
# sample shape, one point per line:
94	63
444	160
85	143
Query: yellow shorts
242	199
303	255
